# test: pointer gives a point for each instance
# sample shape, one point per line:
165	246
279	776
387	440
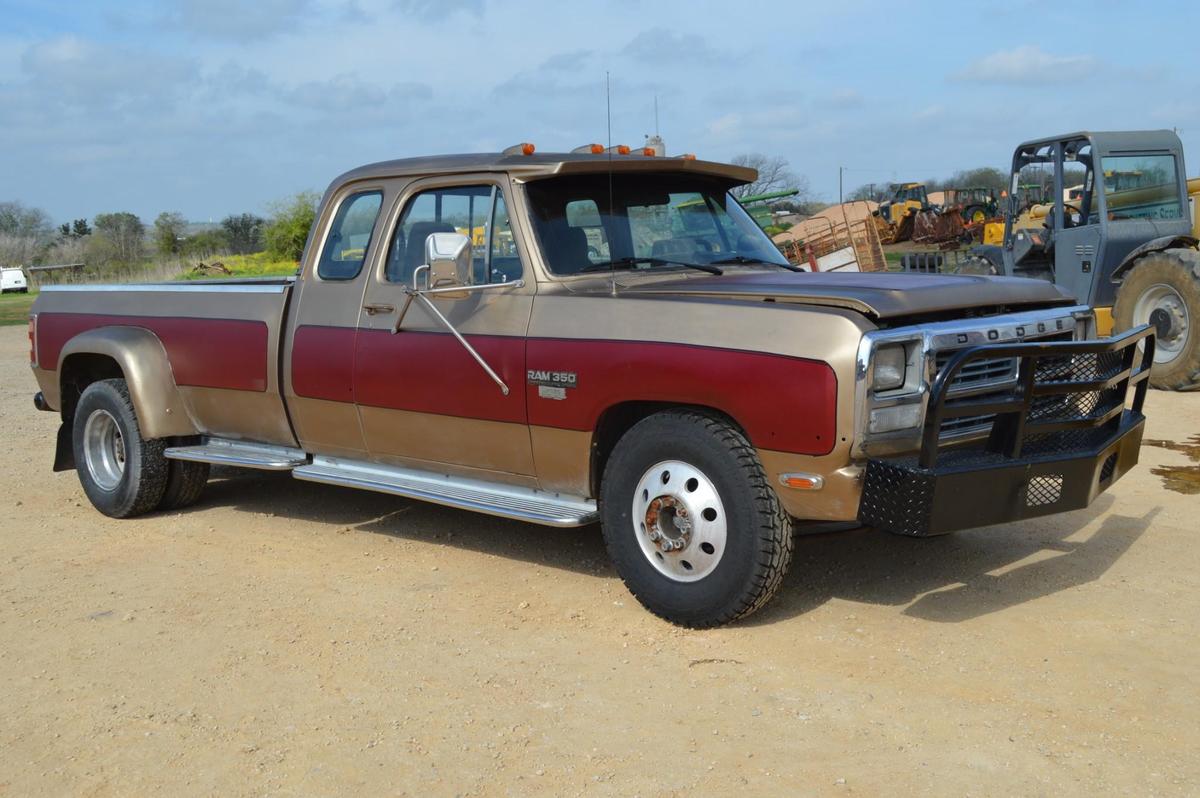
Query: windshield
649	221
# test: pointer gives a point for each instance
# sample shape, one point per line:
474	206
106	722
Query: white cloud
236	20
665	46
1026	65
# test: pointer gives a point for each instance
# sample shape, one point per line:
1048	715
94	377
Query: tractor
1127	247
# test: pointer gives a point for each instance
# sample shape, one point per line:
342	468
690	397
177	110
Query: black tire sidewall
144	477
1167	269
720	592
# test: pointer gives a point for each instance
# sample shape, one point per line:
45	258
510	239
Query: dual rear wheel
122	473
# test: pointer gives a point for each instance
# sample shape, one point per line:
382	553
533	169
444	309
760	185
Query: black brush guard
1062	434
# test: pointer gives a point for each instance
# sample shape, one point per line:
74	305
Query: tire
185	484
122	473
751	532
1163	290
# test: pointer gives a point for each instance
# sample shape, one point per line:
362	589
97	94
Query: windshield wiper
634	262
744	259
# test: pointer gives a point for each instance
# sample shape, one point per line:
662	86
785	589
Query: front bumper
1062	436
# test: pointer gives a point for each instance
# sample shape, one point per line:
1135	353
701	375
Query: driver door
1078	245
423	400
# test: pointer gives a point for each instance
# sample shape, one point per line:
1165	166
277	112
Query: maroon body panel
786	404
433	373
323	363
204	353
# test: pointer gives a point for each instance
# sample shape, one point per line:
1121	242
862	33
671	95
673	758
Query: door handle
372	309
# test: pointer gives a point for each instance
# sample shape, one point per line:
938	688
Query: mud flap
64	450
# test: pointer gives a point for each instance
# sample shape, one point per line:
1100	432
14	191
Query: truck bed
221	340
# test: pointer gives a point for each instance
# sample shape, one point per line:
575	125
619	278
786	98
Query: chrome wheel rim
679	521
1163	308
104	450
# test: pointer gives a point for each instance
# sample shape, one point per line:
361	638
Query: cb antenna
612	266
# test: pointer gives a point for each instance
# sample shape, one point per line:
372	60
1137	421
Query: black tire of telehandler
1179	269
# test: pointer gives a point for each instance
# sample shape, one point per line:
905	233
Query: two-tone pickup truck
566	338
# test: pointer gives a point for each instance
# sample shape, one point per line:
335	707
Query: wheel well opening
78	372
619	419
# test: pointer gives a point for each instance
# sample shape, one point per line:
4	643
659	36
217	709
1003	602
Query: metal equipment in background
1126	246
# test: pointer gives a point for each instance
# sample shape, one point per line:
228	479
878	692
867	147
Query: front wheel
1163	290
122	473
691	522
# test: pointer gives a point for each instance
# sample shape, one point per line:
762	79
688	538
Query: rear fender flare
160	407
1153	245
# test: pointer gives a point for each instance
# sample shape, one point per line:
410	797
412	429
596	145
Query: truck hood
880	295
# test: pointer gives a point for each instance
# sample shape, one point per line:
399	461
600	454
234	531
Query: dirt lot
285	638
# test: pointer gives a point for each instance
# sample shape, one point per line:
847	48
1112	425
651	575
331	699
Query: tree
287	230
118	237
206	243
25	233
774	174
168	232
244	232
76	229
17	219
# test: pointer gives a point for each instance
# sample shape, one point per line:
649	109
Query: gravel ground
293	639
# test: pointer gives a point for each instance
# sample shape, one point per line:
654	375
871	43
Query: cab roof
540	165
1107	142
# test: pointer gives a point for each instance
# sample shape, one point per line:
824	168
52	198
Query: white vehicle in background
13	279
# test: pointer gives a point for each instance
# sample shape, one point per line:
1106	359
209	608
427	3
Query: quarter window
349	236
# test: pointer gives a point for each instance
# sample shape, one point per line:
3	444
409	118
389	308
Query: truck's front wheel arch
618	419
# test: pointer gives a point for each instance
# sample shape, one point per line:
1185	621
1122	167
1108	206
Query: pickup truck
571	338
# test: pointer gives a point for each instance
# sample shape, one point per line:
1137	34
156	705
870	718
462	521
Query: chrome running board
493	498
222	451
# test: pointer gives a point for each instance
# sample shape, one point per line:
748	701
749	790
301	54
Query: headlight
890	363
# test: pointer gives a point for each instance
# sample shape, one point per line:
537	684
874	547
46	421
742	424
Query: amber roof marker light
524	148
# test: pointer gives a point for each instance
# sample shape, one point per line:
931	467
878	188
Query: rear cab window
349	237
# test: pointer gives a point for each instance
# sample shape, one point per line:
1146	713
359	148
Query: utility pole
840	170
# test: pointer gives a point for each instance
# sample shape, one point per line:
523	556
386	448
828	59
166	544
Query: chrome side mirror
448	256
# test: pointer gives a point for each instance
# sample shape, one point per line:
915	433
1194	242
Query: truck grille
977	377
979	373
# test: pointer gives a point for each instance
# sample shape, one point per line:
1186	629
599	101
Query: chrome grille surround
929	346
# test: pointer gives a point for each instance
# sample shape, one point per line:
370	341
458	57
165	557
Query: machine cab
1130	187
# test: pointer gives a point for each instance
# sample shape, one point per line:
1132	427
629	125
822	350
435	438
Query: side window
349	236
463	209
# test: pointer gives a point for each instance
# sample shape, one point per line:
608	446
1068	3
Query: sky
212	107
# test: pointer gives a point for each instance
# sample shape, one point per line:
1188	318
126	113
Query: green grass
260	264
14	308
